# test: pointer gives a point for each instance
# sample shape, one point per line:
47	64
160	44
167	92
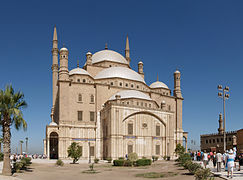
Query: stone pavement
237	175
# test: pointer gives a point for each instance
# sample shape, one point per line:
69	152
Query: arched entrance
53	145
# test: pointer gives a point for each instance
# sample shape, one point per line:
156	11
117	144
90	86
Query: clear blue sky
203	39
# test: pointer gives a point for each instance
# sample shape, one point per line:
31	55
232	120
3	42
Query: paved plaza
238	175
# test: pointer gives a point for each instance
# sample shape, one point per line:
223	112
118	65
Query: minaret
63	71
127	51
177	84
88	58
54	68
220	129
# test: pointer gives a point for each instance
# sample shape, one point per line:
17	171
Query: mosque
109	110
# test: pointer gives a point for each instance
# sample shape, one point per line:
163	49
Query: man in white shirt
219	158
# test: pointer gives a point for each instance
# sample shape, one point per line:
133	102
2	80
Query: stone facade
109	110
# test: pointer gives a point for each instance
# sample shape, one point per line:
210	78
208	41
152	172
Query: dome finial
78	63
157	76
106	46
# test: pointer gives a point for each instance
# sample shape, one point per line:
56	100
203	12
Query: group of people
228	159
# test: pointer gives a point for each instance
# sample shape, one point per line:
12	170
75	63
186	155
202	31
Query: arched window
157	130
80	97
92	98
130	129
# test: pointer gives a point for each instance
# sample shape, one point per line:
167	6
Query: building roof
119	72
78	71
63	49
108	55
131	94
158	84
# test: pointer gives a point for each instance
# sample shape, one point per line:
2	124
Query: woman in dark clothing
214	159
240	158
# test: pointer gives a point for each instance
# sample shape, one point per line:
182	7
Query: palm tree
21	150
11	105
1	141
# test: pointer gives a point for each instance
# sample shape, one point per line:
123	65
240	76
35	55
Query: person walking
205	159
230	162
219	158
240	158
214	160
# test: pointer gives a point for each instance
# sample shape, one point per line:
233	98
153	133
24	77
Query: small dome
78	71
88	53
108	55
119	72
53	124
140	62
131	94
158	84
176	72
63	49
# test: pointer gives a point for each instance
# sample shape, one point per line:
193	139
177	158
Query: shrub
74	151
179	149
203	174
91	167
193	167
183	158
143	162
18	166
109	160
27	160
59	162
96	160
121	158
187	164
165	157
128	163
132	156
119	162
1	156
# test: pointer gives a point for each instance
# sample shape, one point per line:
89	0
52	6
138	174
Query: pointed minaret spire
106	46
55	34
127	51
78	63
157	77
127	43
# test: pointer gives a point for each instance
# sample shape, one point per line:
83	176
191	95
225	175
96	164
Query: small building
215	141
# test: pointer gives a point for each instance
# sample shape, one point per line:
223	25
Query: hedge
143	162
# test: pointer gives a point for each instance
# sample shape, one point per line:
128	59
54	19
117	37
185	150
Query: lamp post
224	96
26	145
89	154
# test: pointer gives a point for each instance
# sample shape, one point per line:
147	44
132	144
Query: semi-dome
120	72
79	71
130	94
108	55
158	84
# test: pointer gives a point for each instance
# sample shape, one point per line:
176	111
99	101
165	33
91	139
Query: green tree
74	151
179	149
11	105
132	157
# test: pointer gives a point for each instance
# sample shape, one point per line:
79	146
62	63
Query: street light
224	96
26	145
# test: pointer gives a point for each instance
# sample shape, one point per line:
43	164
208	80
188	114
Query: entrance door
53	145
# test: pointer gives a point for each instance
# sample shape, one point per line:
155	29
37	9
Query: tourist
214	160
240	158
198	155
205	159
230	162
219	158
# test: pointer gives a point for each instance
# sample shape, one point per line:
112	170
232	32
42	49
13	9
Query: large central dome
108	55
119	72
